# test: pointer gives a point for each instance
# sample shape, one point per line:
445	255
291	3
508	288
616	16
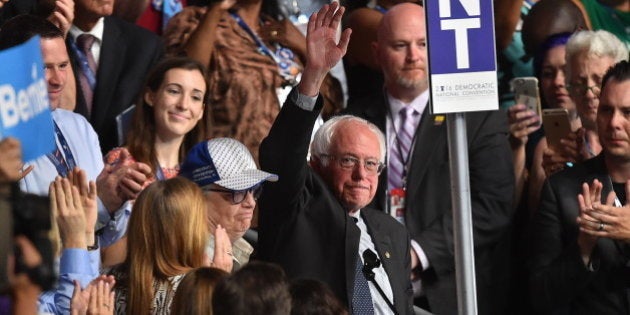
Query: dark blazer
305	229
128	52
560	283
428	214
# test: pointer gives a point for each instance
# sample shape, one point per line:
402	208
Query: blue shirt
75	264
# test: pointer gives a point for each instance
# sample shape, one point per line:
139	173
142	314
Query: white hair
595	43
323	137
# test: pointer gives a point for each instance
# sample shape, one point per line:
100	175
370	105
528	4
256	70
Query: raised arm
200	45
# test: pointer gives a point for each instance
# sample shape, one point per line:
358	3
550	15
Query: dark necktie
84	43
361	299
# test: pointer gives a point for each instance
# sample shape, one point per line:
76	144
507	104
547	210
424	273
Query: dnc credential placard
462	57
24	108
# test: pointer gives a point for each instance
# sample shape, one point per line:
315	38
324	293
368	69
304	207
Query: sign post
462	78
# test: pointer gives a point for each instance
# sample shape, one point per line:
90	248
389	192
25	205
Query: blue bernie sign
462	56
24	108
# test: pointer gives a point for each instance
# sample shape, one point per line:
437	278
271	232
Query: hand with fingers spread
66	202
522	122
612	221
323	51
223	256
63	15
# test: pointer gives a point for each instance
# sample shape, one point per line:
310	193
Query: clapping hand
87	193
65	202
97	298
587	200
608	220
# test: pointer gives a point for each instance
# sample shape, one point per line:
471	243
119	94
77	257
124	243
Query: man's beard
411	82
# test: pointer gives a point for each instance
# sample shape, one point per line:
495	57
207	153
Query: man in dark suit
580	253
314	221
111	70
416	186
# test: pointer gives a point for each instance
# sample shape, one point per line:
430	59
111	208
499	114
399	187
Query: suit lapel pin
387	255
438	120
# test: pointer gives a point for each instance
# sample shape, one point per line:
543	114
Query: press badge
397	204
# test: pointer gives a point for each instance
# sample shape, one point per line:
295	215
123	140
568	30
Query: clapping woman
167	122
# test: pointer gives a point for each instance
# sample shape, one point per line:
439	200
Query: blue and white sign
462	57
24	108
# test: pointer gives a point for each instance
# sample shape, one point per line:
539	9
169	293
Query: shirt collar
96	31
419	103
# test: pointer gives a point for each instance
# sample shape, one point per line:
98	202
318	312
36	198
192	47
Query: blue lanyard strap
283	57
63	165
259	43
380	9
85	67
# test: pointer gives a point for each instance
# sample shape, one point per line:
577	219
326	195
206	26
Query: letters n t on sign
462	56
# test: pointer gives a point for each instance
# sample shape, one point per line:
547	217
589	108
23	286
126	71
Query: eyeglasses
347	162
582	89
238	196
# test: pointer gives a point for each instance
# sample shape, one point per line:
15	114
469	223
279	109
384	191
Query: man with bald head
415	188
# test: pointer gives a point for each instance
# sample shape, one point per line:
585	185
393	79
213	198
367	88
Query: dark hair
194	293
550	42
22	27
259	288
313	297
619	72
140	140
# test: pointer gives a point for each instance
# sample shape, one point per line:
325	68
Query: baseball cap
225	162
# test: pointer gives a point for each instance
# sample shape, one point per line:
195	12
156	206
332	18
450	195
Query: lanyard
380	9
283	57
617	203
62	165
85	67
262	48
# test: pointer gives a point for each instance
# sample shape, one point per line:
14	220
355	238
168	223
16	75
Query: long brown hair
167	235
141	137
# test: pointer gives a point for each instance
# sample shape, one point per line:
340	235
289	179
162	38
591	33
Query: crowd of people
210	159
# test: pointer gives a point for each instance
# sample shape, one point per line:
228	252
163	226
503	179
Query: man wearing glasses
227	173
314	221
